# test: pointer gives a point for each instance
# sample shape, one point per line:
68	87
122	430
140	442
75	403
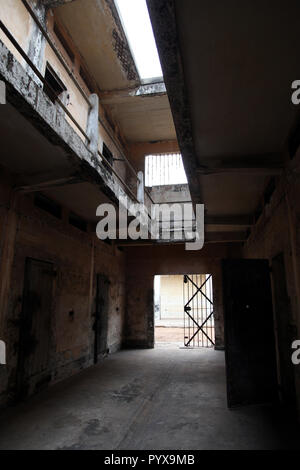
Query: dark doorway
35	327
286	331
249	333
101	316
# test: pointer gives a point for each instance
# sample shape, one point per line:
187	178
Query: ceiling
96	30
228	68
239	59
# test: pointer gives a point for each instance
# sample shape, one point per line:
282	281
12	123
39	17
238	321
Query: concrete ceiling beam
48	185
118	96
225	237
210	237
237	220
163	19
243	170
55	3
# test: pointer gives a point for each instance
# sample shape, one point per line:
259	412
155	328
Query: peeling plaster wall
18	21
143	263
75	102
77	257
20	24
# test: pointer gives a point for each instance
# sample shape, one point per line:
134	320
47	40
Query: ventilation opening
54	87
48	205
164	169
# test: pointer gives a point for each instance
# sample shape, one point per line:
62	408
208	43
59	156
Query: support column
37	42
140	188
93	124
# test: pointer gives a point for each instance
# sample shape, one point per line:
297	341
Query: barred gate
199	328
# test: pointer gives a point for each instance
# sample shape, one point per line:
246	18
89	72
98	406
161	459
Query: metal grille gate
199	328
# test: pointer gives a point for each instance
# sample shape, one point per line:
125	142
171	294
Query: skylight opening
164	169
136	22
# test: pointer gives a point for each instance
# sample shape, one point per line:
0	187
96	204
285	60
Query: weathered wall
28	232
143	263
18	21
171	297
75	102
277	231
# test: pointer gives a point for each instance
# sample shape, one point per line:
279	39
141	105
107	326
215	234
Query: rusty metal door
249	333
35	327
101	316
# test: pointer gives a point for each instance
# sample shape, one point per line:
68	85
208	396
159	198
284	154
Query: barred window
164	169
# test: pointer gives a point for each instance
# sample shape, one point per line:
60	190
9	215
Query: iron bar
200	328
39	75
198	323
200	288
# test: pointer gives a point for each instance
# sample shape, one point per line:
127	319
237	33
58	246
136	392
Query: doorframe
96	351
276	326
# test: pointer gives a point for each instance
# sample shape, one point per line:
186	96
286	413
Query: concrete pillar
93	125
140	188
37	42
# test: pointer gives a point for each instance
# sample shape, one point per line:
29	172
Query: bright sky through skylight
164	169
136	22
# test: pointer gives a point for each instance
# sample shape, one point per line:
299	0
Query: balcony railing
123	158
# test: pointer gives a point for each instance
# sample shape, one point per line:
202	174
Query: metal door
35	327
249	333
199	329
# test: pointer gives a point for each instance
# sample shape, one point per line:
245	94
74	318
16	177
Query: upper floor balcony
57	136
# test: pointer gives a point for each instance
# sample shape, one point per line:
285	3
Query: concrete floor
166	398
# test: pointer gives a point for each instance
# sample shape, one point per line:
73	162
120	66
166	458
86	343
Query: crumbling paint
41	236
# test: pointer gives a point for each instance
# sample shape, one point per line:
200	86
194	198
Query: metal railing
83	94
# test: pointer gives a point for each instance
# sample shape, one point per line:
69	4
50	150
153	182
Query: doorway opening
183	311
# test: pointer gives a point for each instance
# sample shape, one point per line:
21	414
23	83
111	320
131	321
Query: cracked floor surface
165	398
